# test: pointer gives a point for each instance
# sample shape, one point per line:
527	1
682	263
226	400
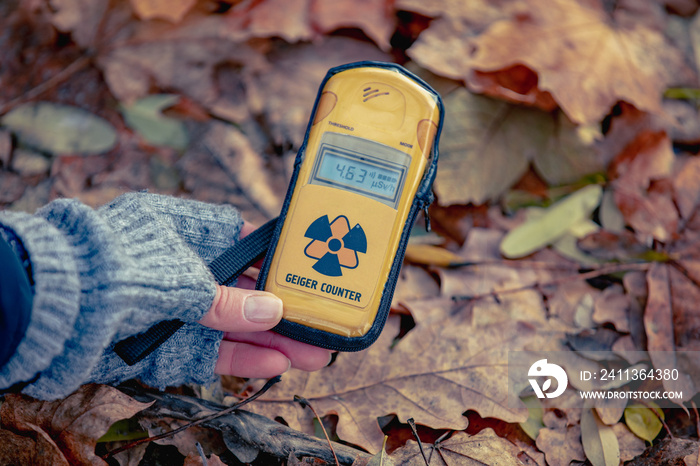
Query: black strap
226	269
236	259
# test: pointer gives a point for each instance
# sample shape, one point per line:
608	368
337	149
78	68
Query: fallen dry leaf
478	13
272	18
170	10
599	440
375	18
486	146
613	306
66	429
30	447
79	17
671	321
246	167
685	185
461	448
444	46
285	92
646	202
573	303
610	410
482	279
183	60
609	58
561	446
433	374
630	444
415	283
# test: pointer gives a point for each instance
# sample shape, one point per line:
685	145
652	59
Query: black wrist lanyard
226	269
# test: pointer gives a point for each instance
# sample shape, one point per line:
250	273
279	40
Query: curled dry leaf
67	429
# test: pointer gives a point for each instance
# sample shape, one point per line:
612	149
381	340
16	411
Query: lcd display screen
365	167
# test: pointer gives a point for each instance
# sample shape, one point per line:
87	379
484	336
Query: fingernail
262	309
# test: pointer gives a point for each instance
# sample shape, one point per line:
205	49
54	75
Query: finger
247	229
245	282
302	356
239	310
245	360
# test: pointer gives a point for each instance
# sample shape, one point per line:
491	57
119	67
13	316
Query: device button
426	131
326	104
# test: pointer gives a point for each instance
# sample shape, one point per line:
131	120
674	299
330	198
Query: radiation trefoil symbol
334	245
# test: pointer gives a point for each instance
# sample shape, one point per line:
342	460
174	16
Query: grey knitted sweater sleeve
102	275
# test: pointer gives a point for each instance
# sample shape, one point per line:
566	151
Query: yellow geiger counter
364	170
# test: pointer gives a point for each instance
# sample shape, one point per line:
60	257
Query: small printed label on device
338	125
325	288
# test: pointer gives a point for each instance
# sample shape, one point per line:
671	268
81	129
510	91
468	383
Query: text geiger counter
365	168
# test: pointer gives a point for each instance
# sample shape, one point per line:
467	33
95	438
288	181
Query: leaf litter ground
209	100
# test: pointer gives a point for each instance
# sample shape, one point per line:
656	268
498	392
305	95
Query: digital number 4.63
348	173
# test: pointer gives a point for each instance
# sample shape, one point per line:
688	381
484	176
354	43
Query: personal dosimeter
364	170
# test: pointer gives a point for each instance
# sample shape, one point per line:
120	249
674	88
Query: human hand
249	348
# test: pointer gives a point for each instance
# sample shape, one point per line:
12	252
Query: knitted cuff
102	276
56	299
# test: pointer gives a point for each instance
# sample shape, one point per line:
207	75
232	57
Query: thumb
239	310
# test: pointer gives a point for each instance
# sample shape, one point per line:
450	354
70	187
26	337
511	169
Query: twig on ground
304	403
47	85
223	412
412	423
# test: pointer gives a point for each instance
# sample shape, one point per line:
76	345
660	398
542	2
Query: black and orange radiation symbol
334	245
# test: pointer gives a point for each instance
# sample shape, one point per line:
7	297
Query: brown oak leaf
483	448
67	430
434	374
584	57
